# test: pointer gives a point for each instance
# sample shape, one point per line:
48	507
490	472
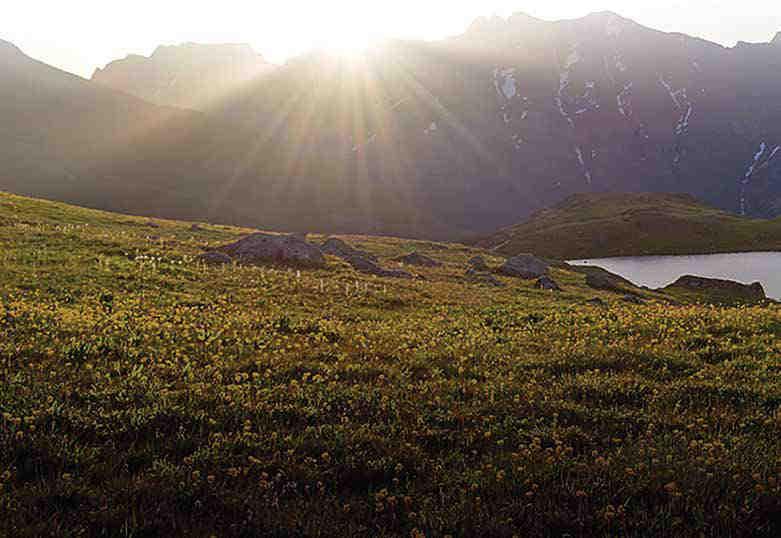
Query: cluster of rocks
361	261
294	250
524	266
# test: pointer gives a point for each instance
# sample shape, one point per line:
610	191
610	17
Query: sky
80	35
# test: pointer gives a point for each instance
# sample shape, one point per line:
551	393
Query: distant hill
603	225
190	75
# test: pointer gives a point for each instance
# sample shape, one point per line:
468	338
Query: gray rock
604	281
721	289
152	224
596	301
525	266
417	259
633	299
480	277
214	258
365	265
262	248
478	264
547	283
337	247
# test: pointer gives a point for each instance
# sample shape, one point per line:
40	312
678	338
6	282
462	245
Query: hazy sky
79	35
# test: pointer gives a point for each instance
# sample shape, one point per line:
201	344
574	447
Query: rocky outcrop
603	280
340	249
479	277
525	266
418	259
262	248
720	290
360	260
365	265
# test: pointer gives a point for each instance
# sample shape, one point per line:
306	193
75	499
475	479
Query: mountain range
441	139
191	75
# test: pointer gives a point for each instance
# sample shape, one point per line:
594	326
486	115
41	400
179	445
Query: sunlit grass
144	394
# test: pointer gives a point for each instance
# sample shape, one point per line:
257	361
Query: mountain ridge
466	135
189	75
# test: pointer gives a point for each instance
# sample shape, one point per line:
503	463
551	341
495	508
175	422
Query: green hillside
604	225
145	394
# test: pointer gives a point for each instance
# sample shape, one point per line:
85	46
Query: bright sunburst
347	40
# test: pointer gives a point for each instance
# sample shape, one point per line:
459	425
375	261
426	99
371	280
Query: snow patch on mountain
756	163
504	82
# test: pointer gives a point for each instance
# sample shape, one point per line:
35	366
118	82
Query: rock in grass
525	266
480	277
215	258
370	267
418	259
596	301
478	264
262	248
547	283
633	299
340	249
600	279
720	290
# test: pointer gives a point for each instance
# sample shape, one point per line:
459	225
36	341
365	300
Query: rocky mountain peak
190	75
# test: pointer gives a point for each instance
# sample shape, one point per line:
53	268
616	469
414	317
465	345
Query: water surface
659	271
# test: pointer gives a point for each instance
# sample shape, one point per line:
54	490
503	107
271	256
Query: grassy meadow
143	394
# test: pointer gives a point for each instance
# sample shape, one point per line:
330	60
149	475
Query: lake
659	271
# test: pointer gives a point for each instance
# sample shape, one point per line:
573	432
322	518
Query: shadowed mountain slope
465	135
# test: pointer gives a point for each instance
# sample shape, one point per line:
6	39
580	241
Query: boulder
262	248
547	283
365	265
214	258
478	264
417	259
600	279
525	266
480	277
340	249
633	299
719	290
